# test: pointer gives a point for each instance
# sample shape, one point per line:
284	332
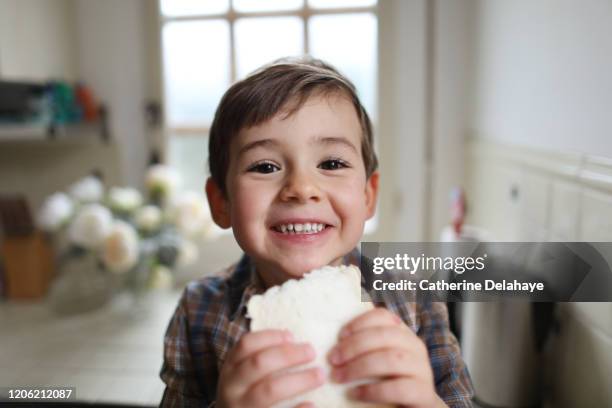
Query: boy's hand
378	345
250	375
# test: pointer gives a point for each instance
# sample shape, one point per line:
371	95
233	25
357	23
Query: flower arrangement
140	238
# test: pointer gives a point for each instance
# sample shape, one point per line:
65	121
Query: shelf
74	133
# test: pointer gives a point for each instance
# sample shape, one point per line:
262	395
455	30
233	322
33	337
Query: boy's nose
300	187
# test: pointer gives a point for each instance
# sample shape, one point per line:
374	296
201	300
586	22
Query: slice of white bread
314	309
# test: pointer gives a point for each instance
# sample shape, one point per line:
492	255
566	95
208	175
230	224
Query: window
209	44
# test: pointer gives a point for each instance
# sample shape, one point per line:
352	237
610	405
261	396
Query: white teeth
306	228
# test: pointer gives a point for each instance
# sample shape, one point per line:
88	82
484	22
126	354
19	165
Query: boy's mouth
300	228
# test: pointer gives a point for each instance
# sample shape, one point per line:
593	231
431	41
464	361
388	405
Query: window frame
305	12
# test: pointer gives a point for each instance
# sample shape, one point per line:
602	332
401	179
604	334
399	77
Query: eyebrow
257	143
331	140
327	140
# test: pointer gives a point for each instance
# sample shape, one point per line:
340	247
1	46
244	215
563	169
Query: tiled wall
520	194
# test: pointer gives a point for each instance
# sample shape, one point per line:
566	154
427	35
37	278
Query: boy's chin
298	270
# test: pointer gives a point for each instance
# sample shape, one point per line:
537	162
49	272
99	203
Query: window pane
172	8
349	42
196	70
188	154
262	40
340	3
266	5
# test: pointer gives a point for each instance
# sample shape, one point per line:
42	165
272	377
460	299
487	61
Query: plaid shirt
210	319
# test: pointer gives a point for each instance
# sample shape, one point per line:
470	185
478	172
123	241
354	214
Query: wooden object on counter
15	215
25	252
28	265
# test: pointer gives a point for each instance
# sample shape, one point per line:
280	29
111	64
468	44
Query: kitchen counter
110	355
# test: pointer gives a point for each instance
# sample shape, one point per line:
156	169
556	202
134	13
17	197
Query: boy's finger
277	388
375	317
305	405
379	363
268	361
253	342
370	339
395	391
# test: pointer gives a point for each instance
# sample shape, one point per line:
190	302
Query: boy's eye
333	164
264	168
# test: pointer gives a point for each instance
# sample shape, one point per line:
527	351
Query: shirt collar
245	282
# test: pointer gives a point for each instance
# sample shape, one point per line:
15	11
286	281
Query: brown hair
260	96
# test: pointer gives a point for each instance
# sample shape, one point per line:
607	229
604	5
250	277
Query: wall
543	70
400	136
111	58
526	194
540	166
105	45
424	64
153	70
37	40
449	64
39	168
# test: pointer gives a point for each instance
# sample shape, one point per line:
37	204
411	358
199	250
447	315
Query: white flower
162	180
55	211
120	251
161	278
188	253
148	218
124	199
191	215
90	226
87	190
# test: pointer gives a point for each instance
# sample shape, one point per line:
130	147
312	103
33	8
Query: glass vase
81	285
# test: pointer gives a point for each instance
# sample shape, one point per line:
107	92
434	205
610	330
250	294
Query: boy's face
303	169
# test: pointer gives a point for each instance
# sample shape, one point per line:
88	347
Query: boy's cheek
250	203
349	199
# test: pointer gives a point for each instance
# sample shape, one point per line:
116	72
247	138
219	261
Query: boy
293	172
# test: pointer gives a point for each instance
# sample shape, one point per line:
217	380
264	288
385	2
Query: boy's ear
371	193
219	206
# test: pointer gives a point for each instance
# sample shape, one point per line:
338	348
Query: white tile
58	360
106	354
565	210
91	386
156	394
47	377
26	355
11	375
534	196
127	389
597	316
111	360
596	216
581	367
491	204
65	358
502	333
144	362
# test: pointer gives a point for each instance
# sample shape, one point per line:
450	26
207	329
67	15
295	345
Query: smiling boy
293	173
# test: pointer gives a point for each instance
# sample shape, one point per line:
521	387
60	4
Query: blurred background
491	116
